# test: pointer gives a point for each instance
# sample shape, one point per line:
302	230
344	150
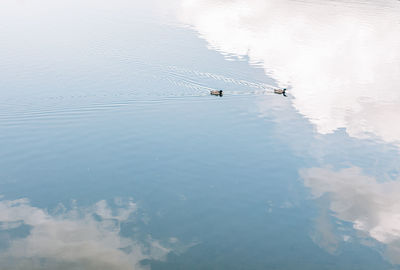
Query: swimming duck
216	92
280	91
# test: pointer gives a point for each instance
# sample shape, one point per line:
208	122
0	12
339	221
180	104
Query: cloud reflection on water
341	58
75	239
372	207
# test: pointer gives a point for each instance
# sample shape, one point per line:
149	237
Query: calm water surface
113	155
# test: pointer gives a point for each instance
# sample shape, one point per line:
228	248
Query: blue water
113	155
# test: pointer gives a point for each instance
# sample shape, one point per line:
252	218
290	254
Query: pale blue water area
113	154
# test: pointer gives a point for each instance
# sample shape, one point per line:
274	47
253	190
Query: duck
217	93
280	91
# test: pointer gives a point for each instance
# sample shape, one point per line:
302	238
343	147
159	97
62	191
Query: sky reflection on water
112	101
371	206
71	239
341	61
340	58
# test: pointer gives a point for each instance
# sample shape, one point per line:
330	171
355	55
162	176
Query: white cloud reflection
372	207
75	239
341	58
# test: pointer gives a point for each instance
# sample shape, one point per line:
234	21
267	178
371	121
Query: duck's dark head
220	92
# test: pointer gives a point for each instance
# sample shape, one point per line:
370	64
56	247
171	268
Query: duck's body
280	91
217	93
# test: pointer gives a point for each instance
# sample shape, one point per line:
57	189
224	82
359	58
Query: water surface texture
113	155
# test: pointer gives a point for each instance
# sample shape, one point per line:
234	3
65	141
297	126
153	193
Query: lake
114	155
